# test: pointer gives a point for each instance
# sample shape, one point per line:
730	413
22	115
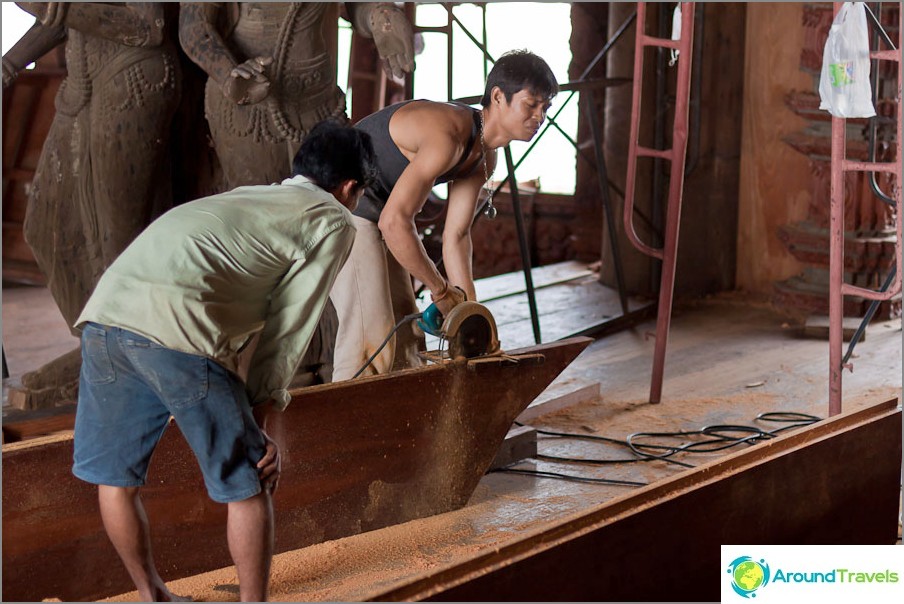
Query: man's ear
497	96
348	187
348	191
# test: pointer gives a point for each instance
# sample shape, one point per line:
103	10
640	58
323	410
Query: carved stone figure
103	174
272	74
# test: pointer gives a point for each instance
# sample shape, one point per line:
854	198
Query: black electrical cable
404	320
603	462
571	477
605	439
718	437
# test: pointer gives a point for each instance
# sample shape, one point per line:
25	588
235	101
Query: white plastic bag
844	88
676	33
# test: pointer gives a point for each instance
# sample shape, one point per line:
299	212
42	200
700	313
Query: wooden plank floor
728	360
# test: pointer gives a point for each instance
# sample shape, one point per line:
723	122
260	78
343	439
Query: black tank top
391	162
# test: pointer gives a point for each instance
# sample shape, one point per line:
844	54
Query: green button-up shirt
209	274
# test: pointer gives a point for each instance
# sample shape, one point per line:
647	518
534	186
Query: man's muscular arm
457	245
436	153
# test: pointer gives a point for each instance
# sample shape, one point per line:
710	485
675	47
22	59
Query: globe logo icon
748	575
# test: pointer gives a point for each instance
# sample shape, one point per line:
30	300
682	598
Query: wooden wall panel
775	179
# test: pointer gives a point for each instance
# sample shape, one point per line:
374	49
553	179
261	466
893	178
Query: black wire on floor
712	439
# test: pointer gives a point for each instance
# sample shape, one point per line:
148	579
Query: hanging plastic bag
676	33
844	88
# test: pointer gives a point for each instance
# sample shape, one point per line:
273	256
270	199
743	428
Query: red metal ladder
677	154
837	287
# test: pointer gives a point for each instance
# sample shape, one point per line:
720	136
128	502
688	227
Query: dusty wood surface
781	492
357	456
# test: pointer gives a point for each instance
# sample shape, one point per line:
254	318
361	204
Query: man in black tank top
420	144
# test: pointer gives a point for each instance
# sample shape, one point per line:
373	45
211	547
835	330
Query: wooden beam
357	455
19	424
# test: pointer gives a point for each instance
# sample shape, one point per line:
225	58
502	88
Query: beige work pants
371	294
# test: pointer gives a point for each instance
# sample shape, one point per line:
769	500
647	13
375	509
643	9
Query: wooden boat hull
357	456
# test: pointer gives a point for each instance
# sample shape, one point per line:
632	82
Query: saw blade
473	339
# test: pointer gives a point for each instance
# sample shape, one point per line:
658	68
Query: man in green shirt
162	332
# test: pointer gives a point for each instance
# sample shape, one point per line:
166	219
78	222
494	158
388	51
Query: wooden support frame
357	456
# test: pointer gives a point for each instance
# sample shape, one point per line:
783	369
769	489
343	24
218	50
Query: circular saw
470	330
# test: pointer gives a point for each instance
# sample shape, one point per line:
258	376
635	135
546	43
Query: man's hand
270	465
394	40
452	297
248	83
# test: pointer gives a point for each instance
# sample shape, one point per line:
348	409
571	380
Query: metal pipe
483	14
837	287
637	86
603	179
668	254
673	210
836	258
872	129
449	18
659	101
693	152
522	244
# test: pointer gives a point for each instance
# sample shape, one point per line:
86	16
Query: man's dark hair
518	70
332	153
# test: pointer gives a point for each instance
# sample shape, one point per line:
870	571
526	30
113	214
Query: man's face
525	114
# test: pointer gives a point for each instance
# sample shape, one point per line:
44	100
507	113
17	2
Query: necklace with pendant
490	211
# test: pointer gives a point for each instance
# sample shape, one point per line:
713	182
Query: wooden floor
729	359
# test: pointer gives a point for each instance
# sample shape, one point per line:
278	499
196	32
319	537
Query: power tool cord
405	319
716	438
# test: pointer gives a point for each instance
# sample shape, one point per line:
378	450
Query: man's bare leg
249	530
127	527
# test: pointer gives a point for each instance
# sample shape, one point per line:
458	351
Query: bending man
420	144
162	334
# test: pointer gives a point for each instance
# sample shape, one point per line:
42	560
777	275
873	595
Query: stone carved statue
103	171
272	74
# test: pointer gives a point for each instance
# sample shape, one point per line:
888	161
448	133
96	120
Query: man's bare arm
457	245
436	154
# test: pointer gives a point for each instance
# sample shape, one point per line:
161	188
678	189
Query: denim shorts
128	389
